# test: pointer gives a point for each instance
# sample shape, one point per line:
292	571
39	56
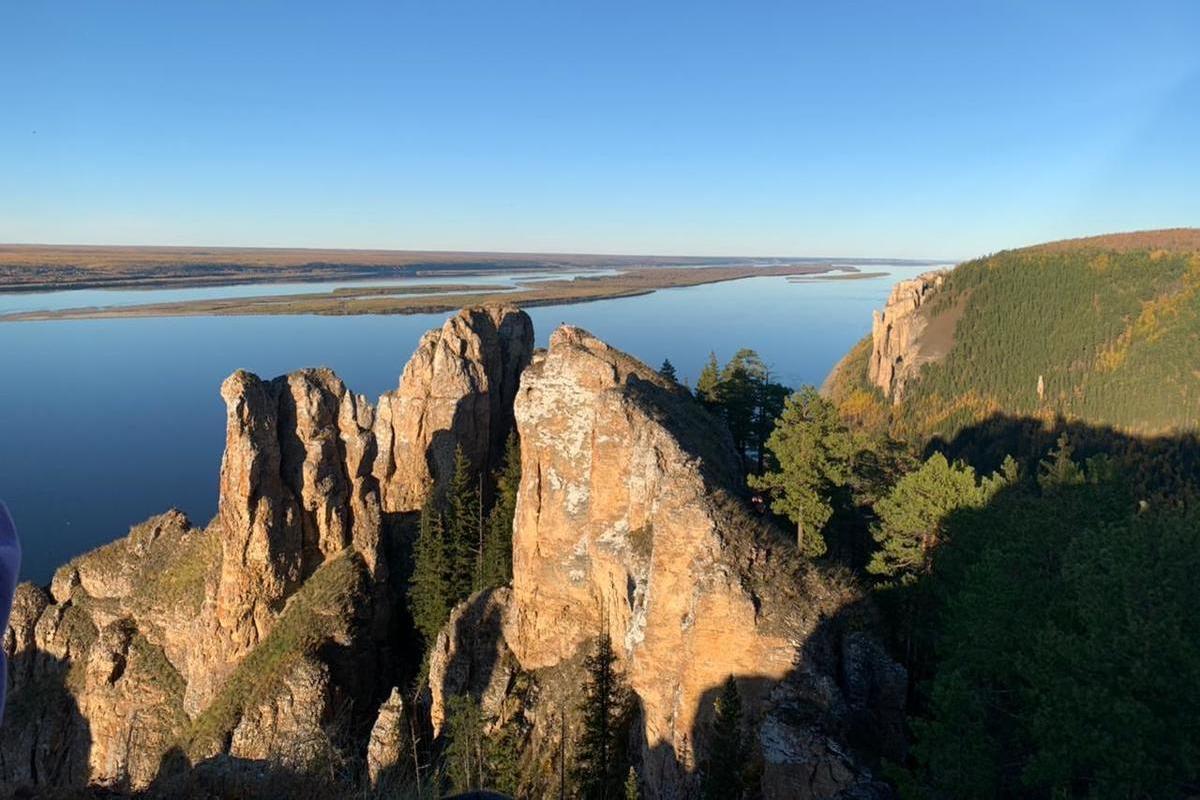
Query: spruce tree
738	395
428	592
465	758
475	757
601	761
667	370
769	402
725	773
497	547
464	526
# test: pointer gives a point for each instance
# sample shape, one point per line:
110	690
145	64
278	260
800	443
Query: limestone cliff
295	490
456	390
629	521
238	659
896	347
244	641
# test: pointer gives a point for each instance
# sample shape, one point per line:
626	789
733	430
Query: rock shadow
45	742
478	662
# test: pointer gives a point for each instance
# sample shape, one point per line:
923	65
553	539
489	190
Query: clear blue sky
889	128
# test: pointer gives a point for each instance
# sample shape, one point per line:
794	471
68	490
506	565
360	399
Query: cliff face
896	352
295	490
627	499
457	389
234	649
243	640
629	522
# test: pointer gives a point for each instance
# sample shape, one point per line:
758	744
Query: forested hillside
1104	331
1033	546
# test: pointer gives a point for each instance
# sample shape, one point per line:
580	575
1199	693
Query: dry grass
1170	240
316	613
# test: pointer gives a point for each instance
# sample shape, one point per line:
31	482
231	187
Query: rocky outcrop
896	354
288	725
138	644
92	696
389	742
630	522
224	657
295	489
456	391
241	642
471	655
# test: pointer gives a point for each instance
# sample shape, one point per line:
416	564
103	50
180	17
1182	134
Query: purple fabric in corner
10	568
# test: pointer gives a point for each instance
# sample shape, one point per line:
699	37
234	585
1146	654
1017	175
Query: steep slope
1104	331
630	521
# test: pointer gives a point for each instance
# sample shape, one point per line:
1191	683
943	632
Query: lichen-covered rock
287	725
456	391
630	521
896	332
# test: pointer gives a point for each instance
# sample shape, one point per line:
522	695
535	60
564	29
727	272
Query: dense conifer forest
1112	335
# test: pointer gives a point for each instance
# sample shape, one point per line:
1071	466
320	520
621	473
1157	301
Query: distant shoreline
445	297
46	268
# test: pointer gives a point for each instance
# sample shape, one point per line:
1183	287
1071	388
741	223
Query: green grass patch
316	613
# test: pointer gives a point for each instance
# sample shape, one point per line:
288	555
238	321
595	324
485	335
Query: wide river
106	422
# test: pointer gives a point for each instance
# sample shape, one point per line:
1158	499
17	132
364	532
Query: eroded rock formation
233	643
456	390
896	353
223	656
389	744
629	521
295	490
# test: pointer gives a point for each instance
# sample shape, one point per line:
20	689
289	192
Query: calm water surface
106	422
19	302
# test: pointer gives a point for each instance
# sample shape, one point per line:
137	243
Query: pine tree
428	592
497	546
813	452
709	382
667	370
725	773
601	761
464	527
912	517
